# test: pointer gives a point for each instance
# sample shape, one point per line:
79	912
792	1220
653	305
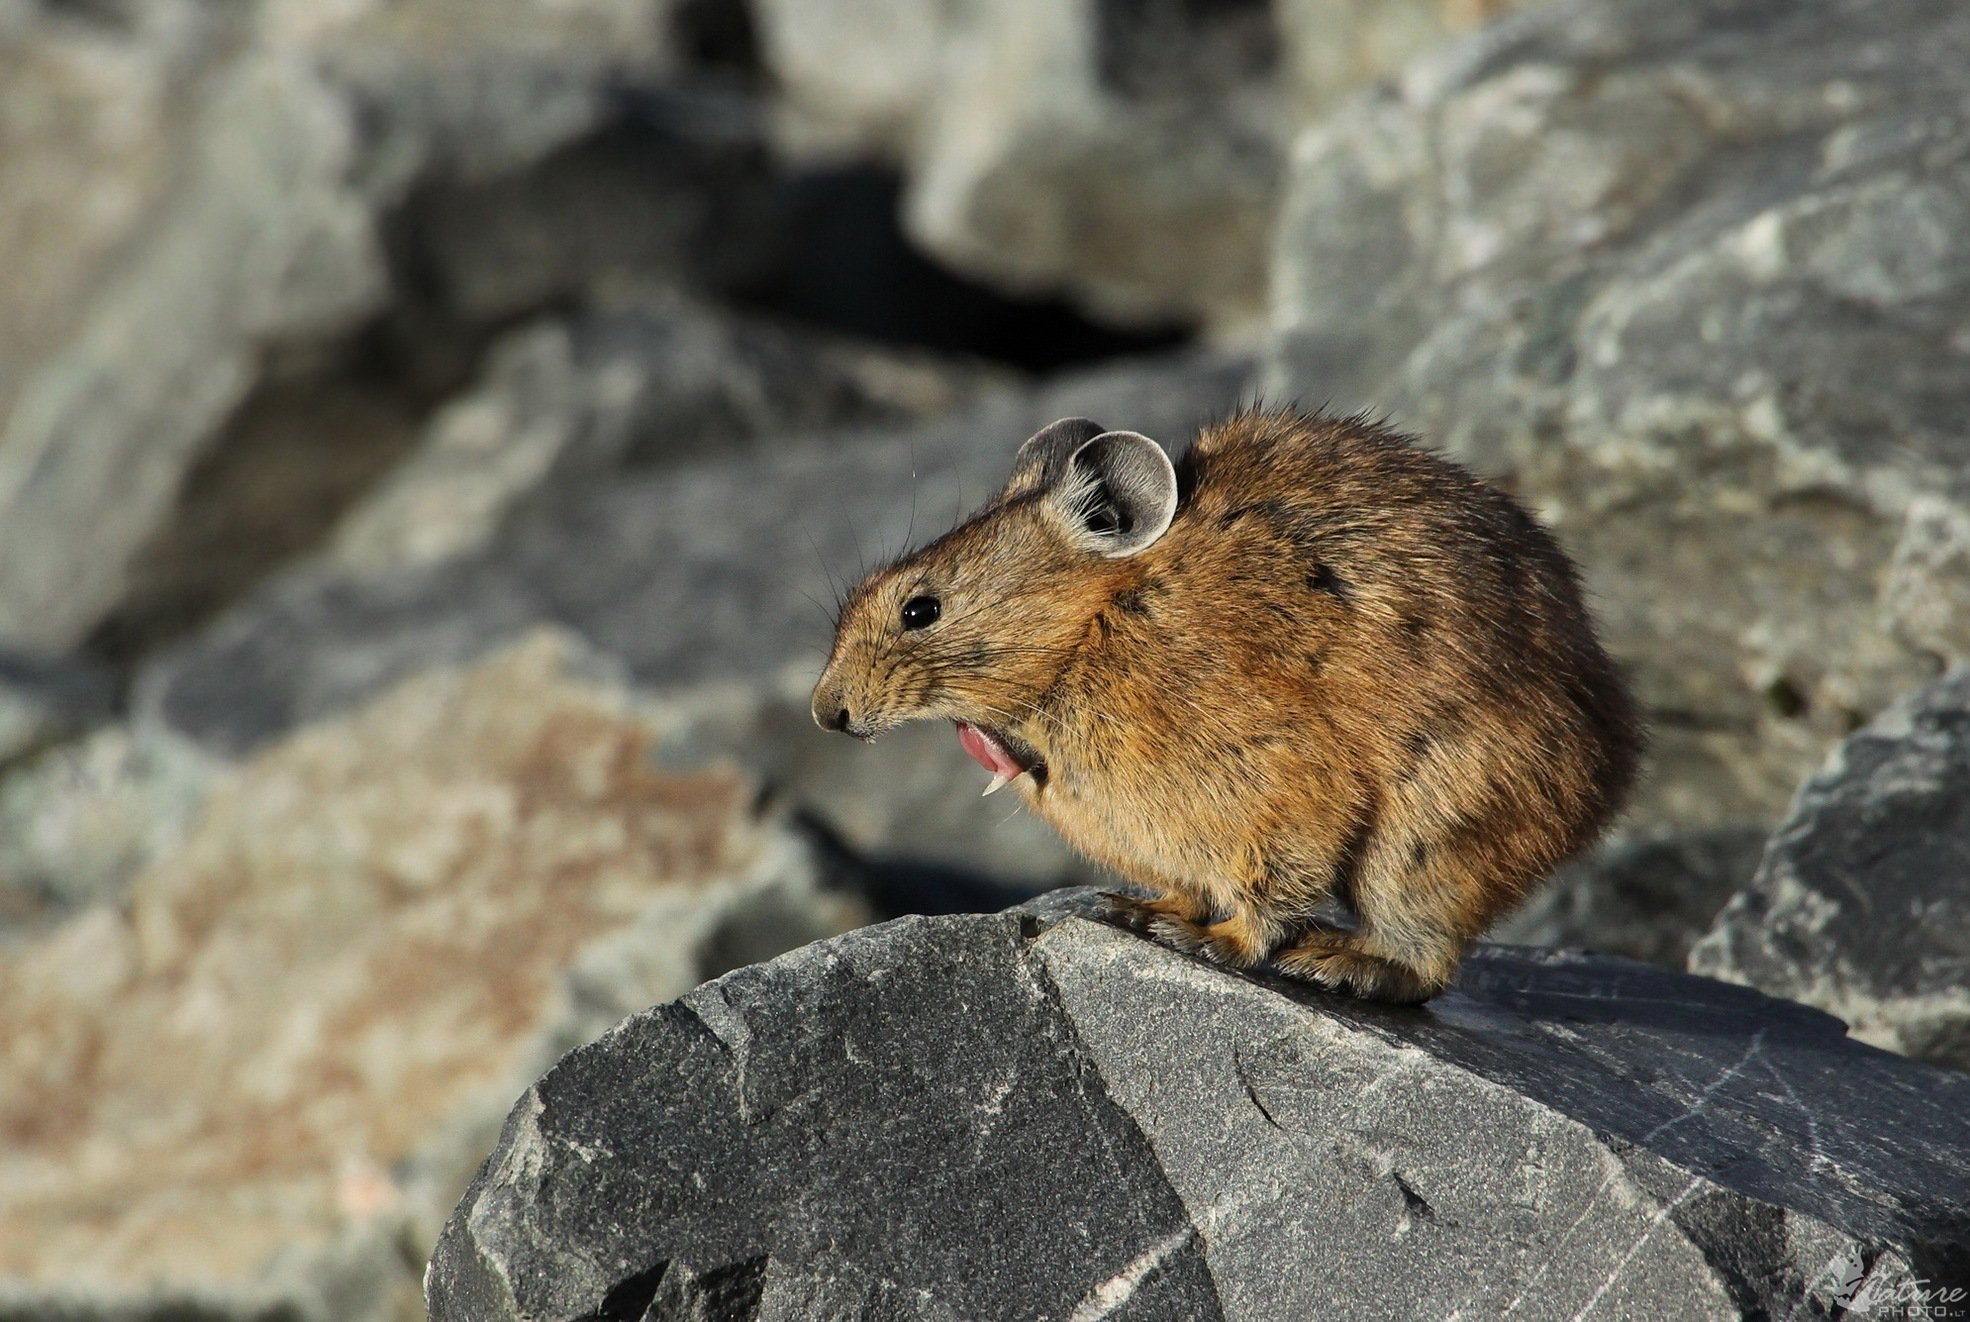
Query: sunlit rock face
1862	904
1031	1114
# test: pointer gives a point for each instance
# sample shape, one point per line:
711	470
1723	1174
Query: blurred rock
632	387
1691	278
1129	154
706	578
1335	48
208	201
1030	1115
253	1090
1128	158
81	820
44	702
677	190
1646	896
1862	904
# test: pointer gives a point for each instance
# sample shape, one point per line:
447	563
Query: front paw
1123	910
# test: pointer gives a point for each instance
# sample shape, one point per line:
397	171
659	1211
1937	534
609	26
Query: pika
1308	661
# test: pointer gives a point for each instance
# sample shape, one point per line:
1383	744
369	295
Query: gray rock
677	189
200	193
1690	277
1647	896
633	385
45	702
1862	904
1031	1115
257	235
1129	157
1334	48
710	581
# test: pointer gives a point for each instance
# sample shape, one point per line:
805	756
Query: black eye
919	612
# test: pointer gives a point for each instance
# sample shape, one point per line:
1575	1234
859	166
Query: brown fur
1348	669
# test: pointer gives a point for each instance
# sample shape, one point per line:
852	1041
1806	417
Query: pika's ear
1120	492
1043	459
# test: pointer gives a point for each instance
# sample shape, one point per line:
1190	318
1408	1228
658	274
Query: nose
833	710
832	713
830	706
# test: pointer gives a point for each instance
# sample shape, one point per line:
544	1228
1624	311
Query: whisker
840	592
910	534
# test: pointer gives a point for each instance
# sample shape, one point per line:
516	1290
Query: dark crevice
667	189
717	37
630	1300
1417	1205
120	16
1785	698
898	886
1245	1078
845	264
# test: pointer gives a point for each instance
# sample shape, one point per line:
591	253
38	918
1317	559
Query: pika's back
1338	565
1407	545
1399	534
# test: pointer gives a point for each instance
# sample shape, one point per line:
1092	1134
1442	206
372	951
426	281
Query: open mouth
1005	757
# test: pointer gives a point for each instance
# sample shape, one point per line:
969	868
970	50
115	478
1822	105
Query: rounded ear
1120	491
1043	458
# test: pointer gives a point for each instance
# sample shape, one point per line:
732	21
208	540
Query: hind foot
1335	960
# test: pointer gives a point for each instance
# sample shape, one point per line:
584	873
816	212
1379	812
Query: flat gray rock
1862	904
1031	1115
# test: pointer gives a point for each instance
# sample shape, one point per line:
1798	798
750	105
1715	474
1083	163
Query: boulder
1689	277
217	208
254	1088
1862	904
1127	155
1033	1115
710	581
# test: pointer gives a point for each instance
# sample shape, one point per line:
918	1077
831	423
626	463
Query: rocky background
431	434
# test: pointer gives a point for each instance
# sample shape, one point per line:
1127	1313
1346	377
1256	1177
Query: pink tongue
986	751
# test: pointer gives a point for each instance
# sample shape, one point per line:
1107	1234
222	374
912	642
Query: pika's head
976	626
